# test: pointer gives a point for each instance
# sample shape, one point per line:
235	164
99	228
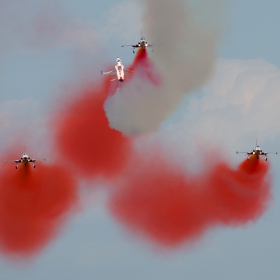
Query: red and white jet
25	159
119	71
141	44
257	152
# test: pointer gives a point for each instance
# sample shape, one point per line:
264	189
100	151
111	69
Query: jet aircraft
141	44
119	71
25	159
257	152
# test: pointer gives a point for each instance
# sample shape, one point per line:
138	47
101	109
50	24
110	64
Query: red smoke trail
170	207
85	139
33	204
144	67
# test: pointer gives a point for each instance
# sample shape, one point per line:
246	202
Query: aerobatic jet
25	159
141	44
119	71
257	152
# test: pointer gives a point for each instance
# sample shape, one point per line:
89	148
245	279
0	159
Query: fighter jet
119	71
141	44
257	152
25	159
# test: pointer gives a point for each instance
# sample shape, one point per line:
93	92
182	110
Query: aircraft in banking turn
141	44
257	152
119	71
25	159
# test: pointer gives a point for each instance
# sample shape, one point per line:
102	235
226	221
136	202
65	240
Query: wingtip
237	152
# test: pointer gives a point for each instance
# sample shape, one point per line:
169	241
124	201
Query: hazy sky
239	104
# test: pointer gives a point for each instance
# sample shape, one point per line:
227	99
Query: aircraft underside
258	156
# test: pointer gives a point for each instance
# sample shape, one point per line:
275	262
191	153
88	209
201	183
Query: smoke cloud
172	207
84	137
184	56
154	198
34	203
144	80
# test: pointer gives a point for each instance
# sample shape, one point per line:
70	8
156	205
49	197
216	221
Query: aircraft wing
113	72
34	160
133	46
250	153
13	160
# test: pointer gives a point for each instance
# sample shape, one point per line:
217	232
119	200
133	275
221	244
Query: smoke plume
134	98
84	138
184	56
33	205
172	207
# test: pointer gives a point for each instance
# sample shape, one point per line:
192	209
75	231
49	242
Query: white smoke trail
185	42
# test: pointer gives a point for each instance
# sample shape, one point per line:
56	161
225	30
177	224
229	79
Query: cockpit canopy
142	39
258	148
118	60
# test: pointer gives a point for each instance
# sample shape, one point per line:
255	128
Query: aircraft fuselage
120	72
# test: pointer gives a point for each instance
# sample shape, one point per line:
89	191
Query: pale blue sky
94	246
253	31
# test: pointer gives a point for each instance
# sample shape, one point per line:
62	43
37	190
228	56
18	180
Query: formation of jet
119	71
257	152
141	44
119	68
25	159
